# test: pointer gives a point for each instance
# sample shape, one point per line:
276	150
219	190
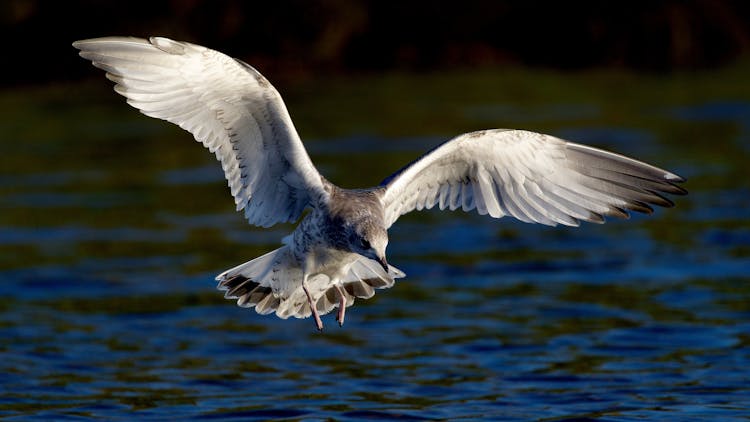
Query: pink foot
318	322
315	314
342	306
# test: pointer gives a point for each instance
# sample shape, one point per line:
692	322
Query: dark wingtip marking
618	212
377	283
677	190
234	283
595	218
675	178
639	207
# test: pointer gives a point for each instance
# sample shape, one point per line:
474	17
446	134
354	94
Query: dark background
113	225
297	36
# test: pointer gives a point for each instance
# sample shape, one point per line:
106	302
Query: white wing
533	177
229	107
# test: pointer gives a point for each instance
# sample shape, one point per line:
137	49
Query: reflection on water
113	226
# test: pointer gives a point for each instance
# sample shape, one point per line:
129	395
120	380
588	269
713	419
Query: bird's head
369	239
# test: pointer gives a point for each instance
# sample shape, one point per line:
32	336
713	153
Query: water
112	227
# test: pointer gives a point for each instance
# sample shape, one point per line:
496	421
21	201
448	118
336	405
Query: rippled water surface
113	225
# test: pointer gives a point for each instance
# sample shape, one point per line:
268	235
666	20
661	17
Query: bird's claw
318	322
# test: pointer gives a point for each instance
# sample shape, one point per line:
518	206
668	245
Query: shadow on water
113	226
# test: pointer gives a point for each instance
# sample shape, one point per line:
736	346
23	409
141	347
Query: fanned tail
262	282
273	283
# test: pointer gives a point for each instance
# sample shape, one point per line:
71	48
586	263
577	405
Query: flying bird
337	252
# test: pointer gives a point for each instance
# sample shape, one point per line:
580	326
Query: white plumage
533	177
228	106
337	252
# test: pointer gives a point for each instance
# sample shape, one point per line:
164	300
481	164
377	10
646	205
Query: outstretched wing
229	107
533	177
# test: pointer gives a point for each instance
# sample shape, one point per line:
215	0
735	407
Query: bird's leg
342	305
318	322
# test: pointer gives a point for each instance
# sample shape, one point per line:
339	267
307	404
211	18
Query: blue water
108	252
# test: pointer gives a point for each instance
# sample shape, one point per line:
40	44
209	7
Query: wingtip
168	45
674	178
595	218
618	213
675	189
641	207
679	190
81	44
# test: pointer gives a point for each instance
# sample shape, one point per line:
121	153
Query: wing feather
533	177
228	107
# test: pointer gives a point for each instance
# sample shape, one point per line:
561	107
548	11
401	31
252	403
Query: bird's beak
383	263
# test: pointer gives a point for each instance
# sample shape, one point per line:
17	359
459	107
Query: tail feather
330	300
273	283
267	304
373	274
360	288
238	286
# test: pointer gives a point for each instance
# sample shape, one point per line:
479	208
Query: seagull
337	252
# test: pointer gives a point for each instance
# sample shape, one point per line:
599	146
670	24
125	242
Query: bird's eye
365	244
